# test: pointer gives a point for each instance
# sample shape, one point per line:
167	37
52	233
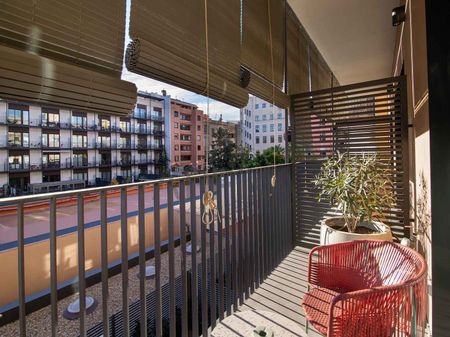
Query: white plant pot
330	235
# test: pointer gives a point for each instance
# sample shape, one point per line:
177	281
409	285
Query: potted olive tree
360	188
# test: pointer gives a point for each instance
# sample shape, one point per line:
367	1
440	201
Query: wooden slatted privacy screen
361	118
66	52
169	44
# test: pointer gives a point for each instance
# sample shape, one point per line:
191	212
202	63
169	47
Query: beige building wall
37	255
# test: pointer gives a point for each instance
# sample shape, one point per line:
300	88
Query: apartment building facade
262	125
187	138
43	145
214	125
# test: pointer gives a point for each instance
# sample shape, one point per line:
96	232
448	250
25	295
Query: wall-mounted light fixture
398	15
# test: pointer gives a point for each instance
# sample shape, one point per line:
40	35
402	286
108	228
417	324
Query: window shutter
74	49
169	44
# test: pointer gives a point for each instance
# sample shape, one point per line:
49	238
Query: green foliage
266	157
359	186
224	155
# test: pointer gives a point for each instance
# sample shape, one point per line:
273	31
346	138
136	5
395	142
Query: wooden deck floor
283	290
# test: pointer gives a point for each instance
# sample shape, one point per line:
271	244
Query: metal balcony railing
230	251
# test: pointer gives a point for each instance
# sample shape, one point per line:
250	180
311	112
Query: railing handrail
42	196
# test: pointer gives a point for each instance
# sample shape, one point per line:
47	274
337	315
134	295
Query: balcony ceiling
355	37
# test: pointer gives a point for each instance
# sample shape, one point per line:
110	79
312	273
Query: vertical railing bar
251	204
212	254
266	219
142	276
276	221
245	257
184	311
194	278
220	244
21	268
124	255
255	229
53	268
157	234
240	239
273	226
81	264
227	244
172	303
234	241
104	261
260	213
204	288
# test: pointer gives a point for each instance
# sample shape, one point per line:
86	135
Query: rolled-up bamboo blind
169	45
297	55
255	50
65	52
264	89
88	33
32	78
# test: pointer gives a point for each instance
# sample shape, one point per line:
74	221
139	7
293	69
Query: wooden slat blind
88	33
31	78
359	118
169	44
297	55
67	53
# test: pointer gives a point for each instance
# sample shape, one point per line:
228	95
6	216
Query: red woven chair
366	288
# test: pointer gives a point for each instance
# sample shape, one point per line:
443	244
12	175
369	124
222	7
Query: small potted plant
360	188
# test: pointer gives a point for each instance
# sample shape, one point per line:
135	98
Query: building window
105	124
280	139
175	125
199	138
104	141
18	114
272	139
18	139
175	113
51	160
50	118
263	105
199	118
185	158
264	117
185	148
280	115
264	139
176	147
264	128
185	137
280	127
80	176
271	127
256	106
79	159
19	162
256	128
185	127
79	122
271	117
199	128
185	117
125	126
199	147
141	111
257	118
50	140
257	139
79	141
175	135
177	158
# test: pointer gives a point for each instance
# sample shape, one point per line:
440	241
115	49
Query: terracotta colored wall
37	255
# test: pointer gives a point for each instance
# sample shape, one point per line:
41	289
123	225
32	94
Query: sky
216	108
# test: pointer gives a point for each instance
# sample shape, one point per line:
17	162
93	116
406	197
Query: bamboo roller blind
297	55
68	43
169	44
256	49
